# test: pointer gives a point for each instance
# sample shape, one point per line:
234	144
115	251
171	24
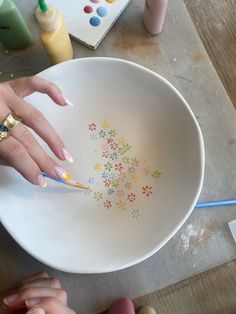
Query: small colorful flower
105	154
126	160
131	170
134	177
102	134
127	147
131	197
119	167
105	125
97	167
98	196
105	175
134	162
108	166
112	133
114	145
120	193
156	174
91	180
147	190
121	205
146	171
115	183
110	191
128	185
111	176
122	141
135	213
107	204
107	183
110	140
113	156
92	127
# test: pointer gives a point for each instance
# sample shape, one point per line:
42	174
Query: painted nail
32	302
67	101
62	173
67	155
37	310
41	181
10	299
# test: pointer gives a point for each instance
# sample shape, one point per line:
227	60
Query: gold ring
3	135
11	121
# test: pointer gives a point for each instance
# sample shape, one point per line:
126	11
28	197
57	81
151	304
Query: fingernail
62	173
10	299
67	155
36	311
67	101
41	181
32	302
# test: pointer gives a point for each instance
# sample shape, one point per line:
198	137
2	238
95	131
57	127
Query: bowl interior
136	143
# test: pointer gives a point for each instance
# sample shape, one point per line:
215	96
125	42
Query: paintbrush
67	182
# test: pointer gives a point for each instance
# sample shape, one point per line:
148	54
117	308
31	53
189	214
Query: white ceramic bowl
137	144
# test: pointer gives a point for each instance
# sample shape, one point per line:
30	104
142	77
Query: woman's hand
21	150
39	294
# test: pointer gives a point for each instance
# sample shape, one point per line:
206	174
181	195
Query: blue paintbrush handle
216	203
54	179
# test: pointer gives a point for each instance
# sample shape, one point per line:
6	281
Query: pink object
154	15
122	306
88	9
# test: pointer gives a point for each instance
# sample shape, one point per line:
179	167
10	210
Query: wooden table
178	55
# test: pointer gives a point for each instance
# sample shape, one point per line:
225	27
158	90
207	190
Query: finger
17	300
26	86
34	119
42	159
17	156
51	306
36	276
43	283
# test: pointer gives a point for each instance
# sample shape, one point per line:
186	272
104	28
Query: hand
39	294
21	150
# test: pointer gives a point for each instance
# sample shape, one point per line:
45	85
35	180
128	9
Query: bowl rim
139	259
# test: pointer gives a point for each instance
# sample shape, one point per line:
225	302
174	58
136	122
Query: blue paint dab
95	21
102	11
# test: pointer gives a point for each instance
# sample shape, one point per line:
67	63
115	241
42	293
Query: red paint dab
88	9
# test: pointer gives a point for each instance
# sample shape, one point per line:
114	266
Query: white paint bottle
154	15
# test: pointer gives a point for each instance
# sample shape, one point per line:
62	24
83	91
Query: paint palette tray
88	21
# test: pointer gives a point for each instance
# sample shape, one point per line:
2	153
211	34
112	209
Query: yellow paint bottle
53	33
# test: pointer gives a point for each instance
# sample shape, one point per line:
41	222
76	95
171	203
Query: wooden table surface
178	55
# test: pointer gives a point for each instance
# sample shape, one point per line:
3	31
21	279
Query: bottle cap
48	21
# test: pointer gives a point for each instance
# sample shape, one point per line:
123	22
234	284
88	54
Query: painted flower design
113	156
92	127
114	145
110	191
121	205
128	185
108	166
156	174
102	133
126	160
131	197
135	213
105	175
119	167
131	169
147	190
122	141
111	176
110	140
105	154
112	133
97	167
98	196
120	193
146	171
107	204
105	125
134	162
115	183
107	183
91	180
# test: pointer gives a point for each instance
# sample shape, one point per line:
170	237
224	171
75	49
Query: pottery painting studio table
204	240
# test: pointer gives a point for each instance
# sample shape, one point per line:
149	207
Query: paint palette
88	21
